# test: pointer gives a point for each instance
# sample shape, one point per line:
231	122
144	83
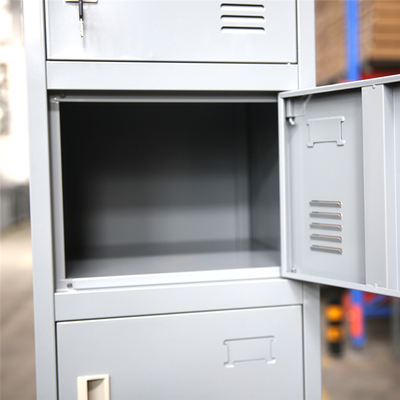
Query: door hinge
296	107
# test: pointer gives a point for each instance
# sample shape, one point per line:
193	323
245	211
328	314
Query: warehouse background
379	37
370	371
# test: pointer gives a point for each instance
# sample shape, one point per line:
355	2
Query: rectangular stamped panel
325	130
249	349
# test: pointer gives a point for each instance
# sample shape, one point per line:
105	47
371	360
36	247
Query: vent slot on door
242	18
326	237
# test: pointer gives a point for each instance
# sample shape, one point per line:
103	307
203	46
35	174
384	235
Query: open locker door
340	185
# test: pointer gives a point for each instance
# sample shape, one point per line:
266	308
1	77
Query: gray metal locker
170	215
174	187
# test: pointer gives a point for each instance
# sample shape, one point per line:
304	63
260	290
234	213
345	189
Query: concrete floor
372	373
369	374
17	341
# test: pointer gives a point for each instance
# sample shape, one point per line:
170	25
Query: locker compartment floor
174	259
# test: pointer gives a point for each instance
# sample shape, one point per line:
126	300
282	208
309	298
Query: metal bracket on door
77	1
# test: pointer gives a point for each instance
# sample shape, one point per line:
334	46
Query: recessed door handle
94	387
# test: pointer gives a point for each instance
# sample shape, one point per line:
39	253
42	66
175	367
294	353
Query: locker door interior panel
239	354
326	176
339	170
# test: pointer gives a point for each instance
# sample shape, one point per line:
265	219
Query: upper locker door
340	185
252	31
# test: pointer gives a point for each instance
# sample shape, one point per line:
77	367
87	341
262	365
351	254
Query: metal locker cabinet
223	71
99	291
339	162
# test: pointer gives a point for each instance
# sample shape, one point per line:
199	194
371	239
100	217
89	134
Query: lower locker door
239	354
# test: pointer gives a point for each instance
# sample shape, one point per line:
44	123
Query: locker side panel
240	354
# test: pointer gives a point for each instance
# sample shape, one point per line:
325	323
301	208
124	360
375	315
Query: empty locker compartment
153	188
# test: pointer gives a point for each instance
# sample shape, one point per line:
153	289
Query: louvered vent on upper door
242	18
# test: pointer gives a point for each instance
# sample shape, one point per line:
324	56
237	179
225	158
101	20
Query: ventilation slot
332	227
330	215
324	209
242	18
328	238
327	249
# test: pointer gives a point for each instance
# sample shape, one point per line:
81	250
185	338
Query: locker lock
80	11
